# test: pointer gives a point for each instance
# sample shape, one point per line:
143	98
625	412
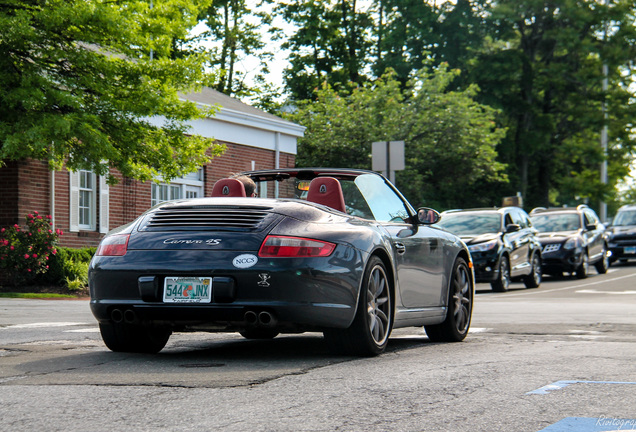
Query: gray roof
209	96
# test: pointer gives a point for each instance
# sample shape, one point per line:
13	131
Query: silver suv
622	234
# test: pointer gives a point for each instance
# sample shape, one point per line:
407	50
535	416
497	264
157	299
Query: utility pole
604	139
604	131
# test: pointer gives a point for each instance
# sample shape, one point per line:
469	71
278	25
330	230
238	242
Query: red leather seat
326	191
228	187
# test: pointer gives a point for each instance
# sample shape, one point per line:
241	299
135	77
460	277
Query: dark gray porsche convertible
338	251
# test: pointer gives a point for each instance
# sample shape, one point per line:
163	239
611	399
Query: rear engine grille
207	218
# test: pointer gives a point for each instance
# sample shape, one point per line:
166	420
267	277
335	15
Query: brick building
85	207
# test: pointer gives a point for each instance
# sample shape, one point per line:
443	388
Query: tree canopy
450	139
81	80
538	63
330	44
542	66
234	28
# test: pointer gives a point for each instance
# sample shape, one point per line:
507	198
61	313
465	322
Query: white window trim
92	207
100	187
104	205
181	183
74	201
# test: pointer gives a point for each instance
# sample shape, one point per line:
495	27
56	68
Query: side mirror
510	228
428	216
590	227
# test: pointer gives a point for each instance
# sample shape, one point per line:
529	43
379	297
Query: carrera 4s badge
209	242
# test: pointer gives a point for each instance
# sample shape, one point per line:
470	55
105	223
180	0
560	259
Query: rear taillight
115	245
294	247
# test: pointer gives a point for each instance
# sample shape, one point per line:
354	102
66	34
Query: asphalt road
557	358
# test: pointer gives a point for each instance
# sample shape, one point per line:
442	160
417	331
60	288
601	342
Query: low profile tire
583	269
533	280
460	307
603	264
502	283
132	338
259	333
369	333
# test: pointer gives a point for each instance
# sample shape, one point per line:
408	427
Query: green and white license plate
630	250
187	290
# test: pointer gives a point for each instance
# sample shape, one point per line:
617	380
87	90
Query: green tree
405	33
461	34
81	79
538	62
541	66
234	29
408	33
331	44
450	139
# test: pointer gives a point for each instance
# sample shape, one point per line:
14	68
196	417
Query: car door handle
399	248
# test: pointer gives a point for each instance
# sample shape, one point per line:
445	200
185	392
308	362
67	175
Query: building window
87	190
189	186
164	192
87	200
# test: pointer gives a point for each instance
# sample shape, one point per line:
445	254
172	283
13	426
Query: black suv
502	243
572	240
622	234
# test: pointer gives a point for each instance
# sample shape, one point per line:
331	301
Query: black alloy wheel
502	283
603	264
369	333
584	268
533	280
460	307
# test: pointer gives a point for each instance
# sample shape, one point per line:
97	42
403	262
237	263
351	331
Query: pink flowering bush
25	253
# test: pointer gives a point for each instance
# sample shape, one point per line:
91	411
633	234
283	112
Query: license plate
630	250
187	290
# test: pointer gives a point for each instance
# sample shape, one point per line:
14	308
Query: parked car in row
338	251
503	244
622	234
572	239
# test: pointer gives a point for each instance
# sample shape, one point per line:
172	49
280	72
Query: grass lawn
35	295
42	292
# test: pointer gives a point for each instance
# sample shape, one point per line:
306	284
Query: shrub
69	267
75	284
25	254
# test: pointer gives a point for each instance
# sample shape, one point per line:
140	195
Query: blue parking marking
584	424
558	385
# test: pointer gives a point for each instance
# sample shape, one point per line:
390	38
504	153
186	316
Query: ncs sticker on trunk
245	261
